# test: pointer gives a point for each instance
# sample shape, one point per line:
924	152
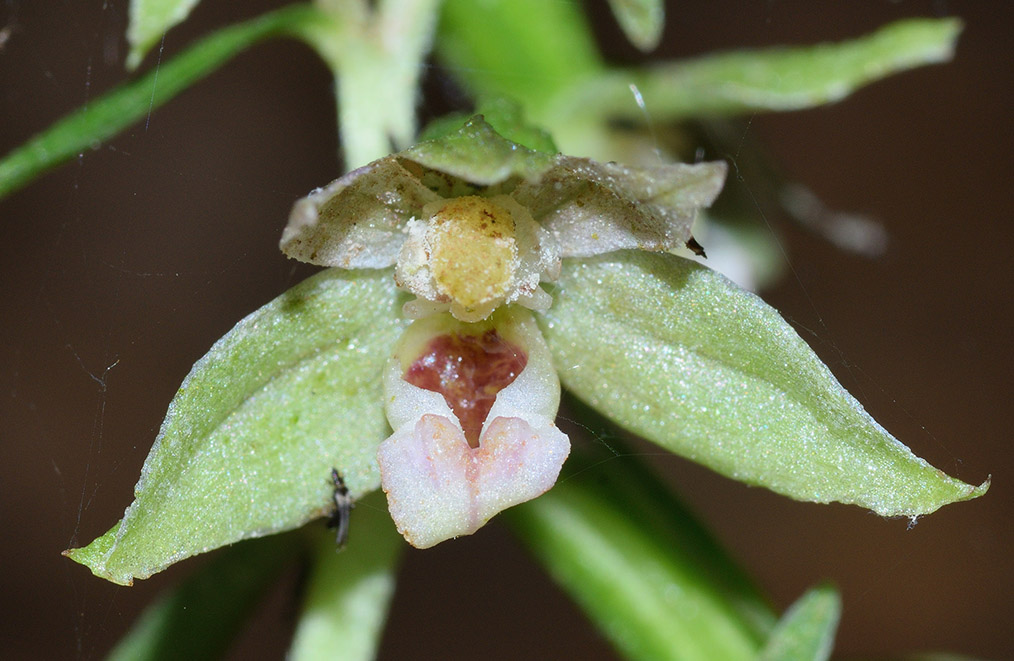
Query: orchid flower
475	276
472	398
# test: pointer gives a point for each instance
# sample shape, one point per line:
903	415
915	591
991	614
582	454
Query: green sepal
478	154
348	592
199	618
806	632
249	440
678	354
505	116
149	20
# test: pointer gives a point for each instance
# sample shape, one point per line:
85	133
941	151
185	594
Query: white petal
438	487
424	469
593	208
535	394
356	221
516	463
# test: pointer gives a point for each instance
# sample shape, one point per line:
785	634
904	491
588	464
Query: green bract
678	354
772	79
250	438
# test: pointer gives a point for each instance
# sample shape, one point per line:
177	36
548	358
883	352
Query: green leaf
249	440
478	154
200	618
149	20
640	566
806	632
678	354
641	20
752	81
349	592
114	111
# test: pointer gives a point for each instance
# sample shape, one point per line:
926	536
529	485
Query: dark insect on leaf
343	504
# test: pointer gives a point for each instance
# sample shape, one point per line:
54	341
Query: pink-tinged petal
438	487
424	469
457	458
516	463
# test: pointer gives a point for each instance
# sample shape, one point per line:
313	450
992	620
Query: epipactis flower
473	232
474	225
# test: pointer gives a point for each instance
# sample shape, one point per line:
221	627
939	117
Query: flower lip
438	484
535	391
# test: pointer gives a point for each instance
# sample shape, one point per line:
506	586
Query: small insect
343	504
696	248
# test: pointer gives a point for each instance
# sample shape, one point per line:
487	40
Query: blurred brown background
120	270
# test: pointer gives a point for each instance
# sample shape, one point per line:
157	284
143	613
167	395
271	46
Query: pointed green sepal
678	354
249	441
507	118
479	154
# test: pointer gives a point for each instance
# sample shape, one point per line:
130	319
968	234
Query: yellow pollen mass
473	250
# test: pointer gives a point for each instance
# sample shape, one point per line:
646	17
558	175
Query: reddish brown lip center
468	370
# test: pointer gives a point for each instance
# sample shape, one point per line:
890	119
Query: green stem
129	103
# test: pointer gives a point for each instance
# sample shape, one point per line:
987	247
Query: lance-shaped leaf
149	20
249	441
107	115
641	20
678	354
653	580
349	592
771	79
806	632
